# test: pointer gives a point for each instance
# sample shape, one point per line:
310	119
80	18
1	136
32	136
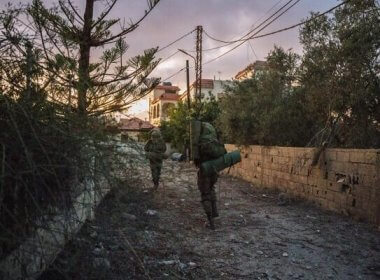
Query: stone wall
52	232
32	257
346	181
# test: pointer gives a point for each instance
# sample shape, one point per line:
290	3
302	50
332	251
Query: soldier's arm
147	147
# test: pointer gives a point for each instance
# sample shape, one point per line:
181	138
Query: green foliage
207	111
54	102
64	40
39	157
268	109
334	86
144	136
340	71
176	129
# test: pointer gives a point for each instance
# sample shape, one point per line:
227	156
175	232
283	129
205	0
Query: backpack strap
199	142
200	135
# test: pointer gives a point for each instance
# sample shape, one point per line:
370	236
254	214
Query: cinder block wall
346	181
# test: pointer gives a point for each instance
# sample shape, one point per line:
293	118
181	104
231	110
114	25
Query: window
170	91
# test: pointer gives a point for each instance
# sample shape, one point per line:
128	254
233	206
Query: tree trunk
84	58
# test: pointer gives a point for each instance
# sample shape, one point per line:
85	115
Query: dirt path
139	234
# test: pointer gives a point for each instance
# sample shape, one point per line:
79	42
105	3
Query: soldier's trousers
155	167
206	186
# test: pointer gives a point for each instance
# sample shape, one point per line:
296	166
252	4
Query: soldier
206	186
209	148
155	149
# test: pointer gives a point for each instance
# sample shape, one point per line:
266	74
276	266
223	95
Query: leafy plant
268	109
176	129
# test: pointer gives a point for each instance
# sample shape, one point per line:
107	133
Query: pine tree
65	41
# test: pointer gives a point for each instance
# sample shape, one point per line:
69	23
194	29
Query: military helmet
155	134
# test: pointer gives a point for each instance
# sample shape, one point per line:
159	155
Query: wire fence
55	170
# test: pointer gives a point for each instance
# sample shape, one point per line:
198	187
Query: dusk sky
223	19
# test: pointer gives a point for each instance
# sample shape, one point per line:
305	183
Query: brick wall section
344	180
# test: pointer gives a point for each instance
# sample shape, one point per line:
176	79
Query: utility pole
188	106
198	75
188	98
198	63
188	84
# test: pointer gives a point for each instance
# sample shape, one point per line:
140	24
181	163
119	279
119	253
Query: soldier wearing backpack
206	147
155	149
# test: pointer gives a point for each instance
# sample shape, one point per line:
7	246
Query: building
251	70
209	87
132	128
161	99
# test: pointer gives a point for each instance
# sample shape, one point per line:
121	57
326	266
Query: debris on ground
255	238
151	212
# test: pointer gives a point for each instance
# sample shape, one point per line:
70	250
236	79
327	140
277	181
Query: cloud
224	19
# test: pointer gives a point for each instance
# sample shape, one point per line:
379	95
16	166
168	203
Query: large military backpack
204	141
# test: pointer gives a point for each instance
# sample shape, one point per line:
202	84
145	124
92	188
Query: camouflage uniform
155	148
206	186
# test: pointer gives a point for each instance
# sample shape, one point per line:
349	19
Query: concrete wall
51	233
346	181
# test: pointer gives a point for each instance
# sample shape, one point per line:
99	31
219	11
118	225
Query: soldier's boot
214	209
207	206
211	222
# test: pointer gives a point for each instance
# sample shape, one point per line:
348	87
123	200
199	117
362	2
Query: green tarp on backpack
204	138
214	166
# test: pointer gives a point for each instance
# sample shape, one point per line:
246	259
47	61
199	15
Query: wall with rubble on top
346	181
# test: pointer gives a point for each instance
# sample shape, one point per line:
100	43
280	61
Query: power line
277	31
173	54
249	42
170	56
175	41
267	34
175	74
267	12
300	23
261	24
228	43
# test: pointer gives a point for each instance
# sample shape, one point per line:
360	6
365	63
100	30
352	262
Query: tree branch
125	31
104	14
75	11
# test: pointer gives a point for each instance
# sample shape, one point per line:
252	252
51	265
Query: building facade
133	127
251	70
161	99
209	87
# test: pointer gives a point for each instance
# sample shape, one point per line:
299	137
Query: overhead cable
170	56
257	27
228	43
175	41
255	36
175	74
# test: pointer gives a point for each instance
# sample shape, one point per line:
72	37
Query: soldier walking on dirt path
206	186
208	147
155	149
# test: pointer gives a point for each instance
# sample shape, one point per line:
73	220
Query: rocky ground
141	234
